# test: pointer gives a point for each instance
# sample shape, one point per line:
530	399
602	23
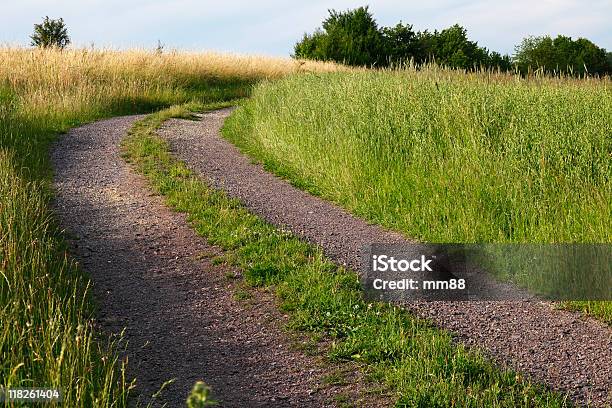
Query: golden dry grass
40	71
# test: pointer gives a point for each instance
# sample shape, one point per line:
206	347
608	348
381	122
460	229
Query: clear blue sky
271	27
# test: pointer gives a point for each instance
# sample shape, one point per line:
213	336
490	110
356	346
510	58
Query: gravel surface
564	350
153	276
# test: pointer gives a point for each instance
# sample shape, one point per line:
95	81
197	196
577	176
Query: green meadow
442	155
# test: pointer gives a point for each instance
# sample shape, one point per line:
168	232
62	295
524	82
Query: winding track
561	349
154	276
182	322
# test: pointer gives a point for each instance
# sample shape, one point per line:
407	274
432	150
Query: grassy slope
444	156
47	335
417	362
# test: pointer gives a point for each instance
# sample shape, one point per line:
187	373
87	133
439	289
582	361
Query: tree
451	47
562	55
401	44
590	57
498	61
50	33
351	37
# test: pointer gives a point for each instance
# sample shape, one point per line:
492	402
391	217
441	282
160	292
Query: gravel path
154	276
561	349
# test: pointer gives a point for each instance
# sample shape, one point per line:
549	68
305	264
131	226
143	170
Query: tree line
353	37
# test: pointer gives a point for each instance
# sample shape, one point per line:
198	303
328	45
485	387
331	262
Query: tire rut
153	276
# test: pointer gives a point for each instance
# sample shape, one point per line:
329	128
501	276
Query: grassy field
444	156
418	364
47	335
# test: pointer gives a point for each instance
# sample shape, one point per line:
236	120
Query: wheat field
47	335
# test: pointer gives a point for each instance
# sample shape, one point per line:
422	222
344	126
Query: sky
271	27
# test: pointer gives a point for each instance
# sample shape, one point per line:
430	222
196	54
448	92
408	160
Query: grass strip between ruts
418	363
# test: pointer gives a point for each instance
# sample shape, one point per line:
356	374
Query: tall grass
445	156
47	331
441	155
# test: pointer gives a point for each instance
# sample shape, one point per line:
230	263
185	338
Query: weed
200	396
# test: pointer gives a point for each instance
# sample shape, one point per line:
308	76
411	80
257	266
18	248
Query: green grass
599	310
418	363
444	156
47	333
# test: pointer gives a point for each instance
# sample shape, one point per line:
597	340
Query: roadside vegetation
444	156
47	336
415	362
